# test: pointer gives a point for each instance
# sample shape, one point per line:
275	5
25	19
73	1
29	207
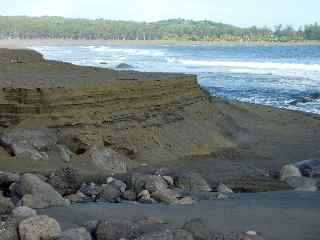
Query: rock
36	193
249	235
90	190
152	183
309	168
115	230
117	184
289	171
222	188
75	234
149	225
76	198
109	193
20	213
65	153
198	229
91	227
167	196
305	99
39	228
144	195
186	201
66	181
8	230
6	179
109	160
168	234
6	205
169	180
222	196
124	66
33	142
192	182
302	184
130	195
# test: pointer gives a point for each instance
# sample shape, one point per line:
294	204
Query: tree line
22	27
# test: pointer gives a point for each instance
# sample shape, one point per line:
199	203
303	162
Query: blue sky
238	12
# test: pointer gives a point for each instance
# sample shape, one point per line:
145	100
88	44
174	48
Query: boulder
152	183
36	193
124	66
129	195
90	190
65	153
249	235
34	142
289	171
115	230
76	198
117	184
222	188
144	195
6	205
302	184
39	228
75	234
109	193
20	213
168	234
91	227
8	230
309	168
198	229
192	182
6	179
169	180
66	181
109	160
167	196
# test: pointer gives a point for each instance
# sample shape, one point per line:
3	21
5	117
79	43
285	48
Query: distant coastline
23	43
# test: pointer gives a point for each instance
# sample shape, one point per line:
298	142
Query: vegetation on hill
176	29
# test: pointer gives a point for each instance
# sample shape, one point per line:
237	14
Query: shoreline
24	43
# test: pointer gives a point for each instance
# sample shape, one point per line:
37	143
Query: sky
238	12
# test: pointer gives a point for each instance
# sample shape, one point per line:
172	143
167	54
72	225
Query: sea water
268	74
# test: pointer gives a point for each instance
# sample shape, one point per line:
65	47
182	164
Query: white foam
250	65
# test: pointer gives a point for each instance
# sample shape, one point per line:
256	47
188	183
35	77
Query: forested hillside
176	29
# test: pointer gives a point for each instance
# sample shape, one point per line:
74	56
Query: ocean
267	74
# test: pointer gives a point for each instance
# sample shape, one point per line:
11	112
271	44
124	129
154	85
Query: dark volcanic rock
66	181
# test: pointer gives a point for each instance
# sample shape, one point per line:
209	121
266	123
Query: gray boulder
109	193
129	195
152	183
302	184
167	196
168	234
34	142
66	181
192	182
75	234
6	205
198	229
35	193
20	213
109	160
115	230
222	188
309	168
8	230
289	171
39	228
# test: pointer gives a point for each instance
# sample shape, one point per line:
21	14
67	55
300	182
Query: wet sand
277	215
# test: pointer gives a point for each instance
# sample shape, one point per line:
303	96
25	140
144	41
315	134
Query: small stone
222	188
